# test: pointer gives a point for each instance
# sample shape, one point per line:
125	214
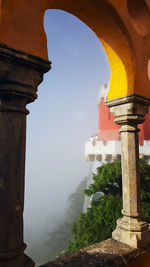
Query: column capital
20	75
129	110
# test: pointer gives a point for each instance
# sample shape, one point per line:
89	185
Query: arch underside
102	18
24	30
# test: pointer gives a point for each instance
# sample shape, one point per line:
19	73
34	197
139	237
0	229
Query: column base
134	235
21	261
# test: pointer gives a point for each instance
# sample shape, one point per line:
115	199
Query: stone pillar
129	112
20	74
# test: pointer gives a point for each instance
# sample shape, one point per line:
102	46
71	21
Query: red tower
108	129
106	145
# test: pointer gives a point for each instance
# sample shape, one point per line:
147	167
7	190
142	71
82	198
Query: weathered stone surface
108	253
22	260
20	74
129	112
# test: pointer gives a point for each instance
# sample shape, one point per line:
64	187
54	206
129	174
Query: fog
61	120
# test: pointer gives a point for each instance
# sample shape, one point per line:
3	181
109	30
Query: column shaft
19	77
130	171
12	158
129	112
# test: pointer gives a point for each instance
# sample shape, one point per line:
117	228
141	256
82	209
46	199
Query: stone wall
109	253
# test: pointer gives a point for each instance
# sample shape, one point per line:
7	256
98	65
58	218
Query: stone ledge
24	58
109	253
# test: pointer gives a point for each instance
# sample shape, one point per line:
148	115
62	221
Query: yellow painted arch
122	79
21	27
103	19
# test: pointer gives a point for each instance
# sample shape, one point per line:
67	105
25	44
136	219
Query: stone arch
25	31
139	15
23	54
110	30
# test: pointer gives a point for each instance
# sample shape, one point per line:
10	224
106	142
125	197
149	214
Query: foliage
61	235
99	221
96	224
107	180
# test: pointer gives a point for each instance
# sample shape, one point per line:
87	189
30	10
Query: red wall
108	130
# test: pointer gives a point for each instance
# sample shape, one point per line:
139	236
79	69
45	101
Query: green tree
61	235
99	221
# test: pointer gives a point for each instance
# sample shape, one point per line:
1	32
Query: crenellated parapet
123	28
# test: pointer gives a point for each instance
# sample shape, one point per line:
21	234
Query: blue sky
62	118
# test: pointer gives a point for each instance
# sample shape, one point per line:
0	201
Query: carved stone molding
129	112
20	75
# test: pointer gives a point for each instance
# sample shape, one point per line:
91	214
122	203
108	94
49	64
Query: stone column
129	112
20	74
